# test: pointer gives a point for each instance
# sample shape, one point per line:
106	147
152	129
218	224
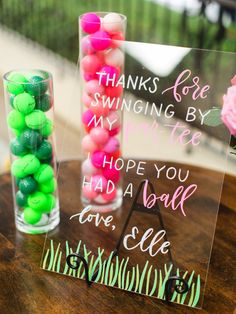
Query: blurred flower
228	113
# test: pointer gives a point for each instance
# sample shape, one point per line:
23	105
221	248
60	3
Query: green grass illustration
114	272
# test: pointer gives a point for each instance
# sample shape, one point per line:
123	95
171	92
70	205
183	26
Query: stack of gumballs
29	99
102	62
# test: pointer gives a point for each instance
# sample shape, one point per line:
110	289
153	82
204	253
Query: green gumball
16	132
31	138
30	164
44	173
31	216
36	119
47	129
43	102
17	168
11	100
24	103
16	120
50	205
37	86
16	83
28	185
17	148
48	186
38	201
21	199
44	151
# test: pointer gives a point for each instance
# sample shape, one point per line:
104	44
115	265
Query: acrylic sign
158	243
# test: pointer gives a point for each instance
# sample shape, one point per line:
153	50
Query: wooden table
25	288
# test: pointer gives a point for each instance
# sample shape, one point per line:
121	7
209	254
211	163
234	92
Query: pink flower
228	113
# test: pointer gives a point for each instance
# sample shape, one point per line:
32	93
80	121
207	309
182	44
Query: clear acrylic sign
158	243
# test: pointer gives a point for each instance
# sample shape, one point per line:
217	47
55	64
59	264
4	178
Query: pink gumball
89	193
112	22
93	87
114	91
110	75
117	39
86	99
114	120
88	76
115	58
88	144
109	197
112	145
98	109
90	23
88	118
86	45
87	168
99	135
97	158
111	174
100	40
114	132
91	64
99	183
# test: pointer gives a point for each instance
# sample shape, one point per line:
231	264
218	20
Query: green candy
24	103
31	216
48	186
30	164
44	151
16	132
31	138
38	201
43	102
44	173
36	119
16	83
17	168
47	129
50	205
17	148
21	199
37	86
28	185
16	120
17	181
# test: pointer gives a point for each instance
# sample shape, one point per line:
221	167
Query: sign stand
174	283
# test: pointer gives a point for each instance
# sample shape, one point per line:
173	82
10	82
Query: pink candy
97	158
114	118
86	99
88	118
88	144
87	168
112	145
98	109
110	75
99	183
86	45
99	135
91	64
93	87
100	40
109	197
90	23
89	193
111	174
115	91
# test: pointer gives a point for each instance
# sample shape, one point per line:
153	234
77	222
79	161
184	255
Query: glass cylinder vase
30	115
101	67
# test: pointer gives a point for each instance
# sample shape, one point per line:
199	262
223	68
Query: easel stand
171	284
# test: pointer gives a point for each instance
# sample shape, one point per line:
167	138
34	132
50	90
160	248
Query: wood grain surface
26	288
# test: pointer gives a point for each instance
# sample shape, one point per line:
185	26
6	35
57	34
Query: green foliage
115	272
54	23
213	118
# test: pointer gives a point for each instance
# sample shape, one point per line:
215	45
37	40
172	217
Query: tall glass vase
29	108
101	66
